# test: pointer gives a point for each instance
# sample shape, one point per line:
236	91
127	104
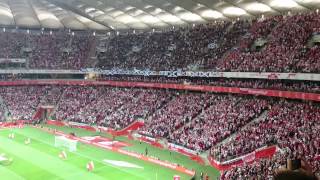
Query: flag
90	166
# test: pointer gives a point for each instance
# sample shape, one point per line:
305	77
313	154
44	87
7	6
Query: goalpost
61	141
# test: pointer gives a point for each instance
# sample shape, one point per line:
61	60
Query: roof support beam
160	5
66	6
139	6
184	6
302	5
260	1
209	5
230	2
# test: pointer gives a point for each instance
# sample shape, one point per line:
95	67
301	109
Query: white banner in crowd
176	73
180	73
12	60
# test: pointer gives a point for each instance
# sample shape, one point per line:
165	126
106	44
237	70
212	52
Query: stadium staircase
262	116
226	53
5	109
165	102
38	114
92	59
58	102
200	112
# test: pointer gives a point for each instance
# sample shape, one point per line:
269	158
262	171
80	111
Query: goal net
61	141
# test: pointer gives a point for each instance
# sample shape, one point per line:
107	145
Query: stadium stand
230	51
59	50
180	110
21	101
224	116
191	119
293	126
224	125
221	46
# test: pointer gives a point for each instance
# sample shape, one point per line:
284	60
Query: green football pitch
39	160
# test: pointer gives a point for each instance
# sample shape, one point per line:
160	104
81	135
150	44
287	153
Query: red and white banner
181	149
193	155
18	123
127	130
82	126
56	123
261	153
218	89
150	140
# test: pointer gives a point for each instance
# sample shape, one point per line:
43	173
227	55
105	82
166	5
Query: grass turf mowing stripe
140	147
150	172
41	159
154	168
25	169
98	162
6	173
76	159
86	158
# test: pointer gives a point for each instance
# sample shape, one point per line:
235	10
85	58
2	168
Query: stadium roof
137	14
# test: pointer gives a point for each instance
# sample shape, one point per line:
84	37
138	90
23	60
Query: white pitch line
88	157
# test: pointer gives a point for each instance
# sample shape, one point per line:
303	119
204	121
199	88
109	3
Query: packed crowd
300	86
285	50
22	101
12	44
59	50
225	116
139	105
220	46
293	126
51	95
197	47
113	107
177	112
107	102
267	168
73	99
261	169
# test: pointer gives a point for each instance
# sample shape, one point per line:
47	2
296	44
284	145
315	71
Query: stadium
159	89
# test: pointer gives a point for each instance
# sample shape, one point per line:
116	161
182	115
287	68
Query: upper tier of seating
58	50
219	46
